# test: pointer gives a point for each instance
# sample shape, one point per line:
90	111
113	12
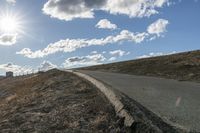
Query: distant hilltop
180	66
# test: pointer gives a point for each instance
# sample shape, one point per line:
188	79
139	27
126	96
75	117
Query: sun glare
9	23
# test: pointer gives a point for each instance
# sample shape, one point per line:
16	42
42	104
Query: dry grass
182	66
54	102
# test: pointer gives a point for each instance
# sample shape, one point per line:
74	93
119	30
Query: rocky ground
181	66
55	101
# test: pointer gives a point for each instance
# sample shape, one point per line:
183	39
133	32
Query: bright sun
9	23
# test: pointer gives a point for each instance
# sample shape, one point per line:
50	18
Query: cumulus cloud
11	1
134	8
8	39
94	52
152	54
28	53
46	65
158	27
93	59
118	53
84	61
104	52
16	68
106	24
71	9
112	59
70	45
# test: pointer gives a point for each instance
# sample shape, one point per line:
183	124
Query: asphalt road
175	101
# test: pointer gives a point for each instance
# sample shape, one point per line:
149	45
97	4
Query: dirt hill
54	101
181	66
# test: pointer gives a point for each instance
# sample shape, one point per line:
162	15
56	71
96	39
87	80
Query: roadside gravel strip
138	118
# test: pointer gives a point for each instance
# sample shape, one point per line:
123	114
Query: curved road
175	101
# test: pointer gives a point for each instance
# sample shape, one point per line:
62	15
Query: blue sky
163	27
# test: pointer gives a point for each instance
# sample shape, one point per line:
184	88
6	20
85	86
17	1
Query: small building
9	74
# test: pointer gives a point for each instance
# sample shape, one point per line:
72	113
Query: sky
45	34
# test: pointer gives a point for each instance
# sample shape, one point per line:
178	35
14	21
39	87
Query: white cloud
106	24
93	59
158	27
104	52
8	39
71	9
11	1
112	59
117	53
16	68
84	61
46	65
94	52
70	45
28	53
152	54
135	8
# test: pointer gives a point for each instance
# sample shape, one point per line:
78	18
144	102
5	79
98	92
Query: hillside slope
54	101
181	66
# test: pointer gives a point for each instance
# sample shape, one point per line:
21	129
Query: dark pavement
175	101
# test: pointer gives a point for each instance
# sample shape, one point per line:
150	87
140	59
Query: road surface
175	101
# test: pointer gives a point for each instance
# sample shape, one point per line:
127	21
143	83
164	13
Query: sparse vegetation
57	101
182	66
54	101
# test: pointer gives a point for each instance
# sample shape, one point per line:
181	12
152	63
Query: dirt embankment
55	102
182	66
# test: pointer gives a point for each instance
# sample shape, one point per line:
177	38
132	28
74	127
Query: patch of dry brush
54	102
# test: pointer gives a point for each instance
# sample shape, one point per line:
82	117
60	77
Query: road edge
116	99
111	96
